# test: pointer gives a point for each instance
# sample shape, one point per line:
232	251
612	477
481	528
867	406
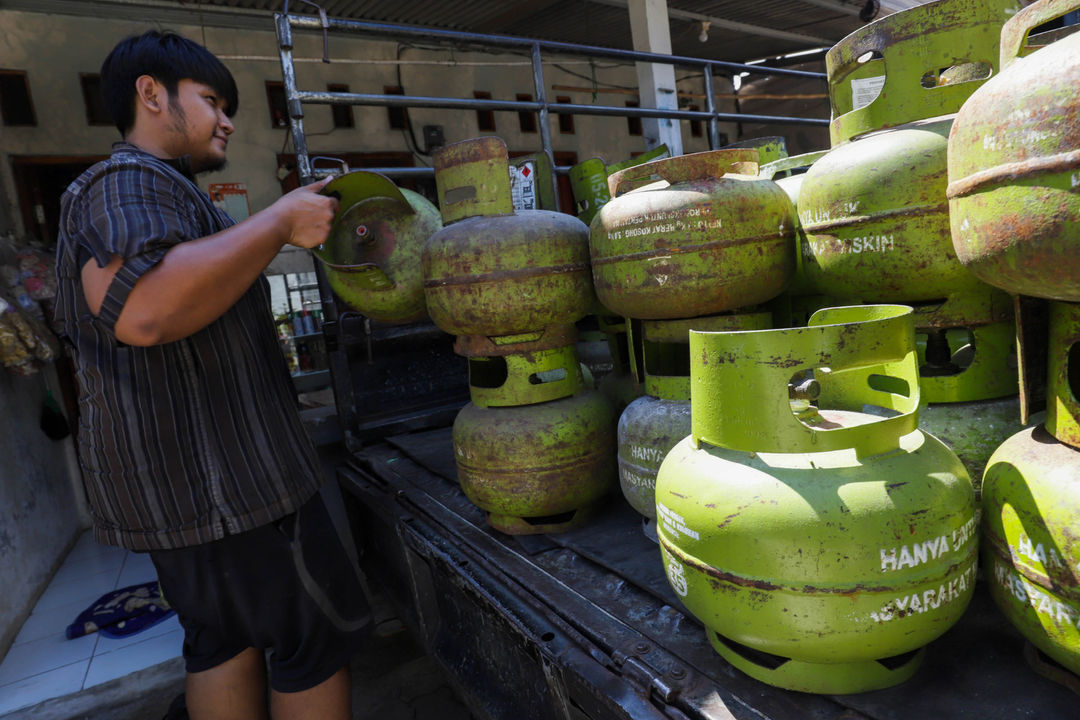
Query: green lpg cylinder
1014	164
1063	378
492	271
535	449
874	209
789	173
1031	551
770	148
372	254
589	184
651	425
692	235
1031	505
821	548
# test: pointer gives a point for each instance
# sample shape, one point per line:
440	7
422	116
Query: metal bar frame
296	98
333	328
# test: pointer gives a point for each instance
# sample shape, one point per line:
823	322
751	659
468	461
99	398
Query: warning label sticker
865	90
523	186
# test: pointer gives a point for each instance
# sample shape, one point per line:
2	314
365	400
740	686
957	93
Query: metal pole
320	97
295	107
304	175
710	107
385	30
543	115
541	98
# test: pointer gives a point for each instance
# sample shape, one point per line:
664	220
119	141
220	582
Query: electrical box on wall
433	137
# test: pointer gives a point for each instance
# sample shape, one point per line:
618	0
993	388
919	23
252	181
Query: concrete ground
393	679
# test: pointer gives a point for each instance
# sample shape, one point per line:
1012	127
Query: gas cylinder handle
353	189
793	162
472	178
861	355
1015	32
908	44
681	168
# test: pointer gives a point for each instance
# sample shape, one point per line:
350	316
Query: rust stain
470	151
1013	172
904	212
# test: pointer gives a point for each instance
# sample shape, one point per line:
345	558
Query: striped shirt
185	442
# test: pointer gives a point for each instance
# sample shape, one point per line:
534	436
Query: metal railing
297	98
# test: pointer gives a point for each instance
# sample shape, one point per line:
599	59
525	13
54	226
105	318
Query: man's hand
307	214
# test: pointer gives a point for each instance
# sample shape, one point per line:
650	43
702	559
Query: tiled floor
42	663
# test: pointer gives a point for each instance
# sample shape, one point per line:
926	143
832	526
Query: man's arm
198	280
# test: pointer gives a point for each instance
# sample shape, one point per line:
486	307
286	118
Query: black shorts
253	590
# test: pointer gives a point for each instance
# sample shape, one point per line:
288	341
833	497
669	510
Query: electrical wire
592	79
407	131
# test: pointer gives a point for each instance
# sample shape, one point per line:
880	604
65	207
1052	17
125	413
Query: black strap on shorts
335	508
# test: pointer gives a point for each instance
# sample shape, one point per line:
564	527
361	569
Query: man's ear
151	94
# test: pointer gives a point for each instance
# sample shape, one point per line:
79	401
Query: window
16	107
526	118
633	124
485	119
396	116
695	125
96	113
343	117
566	121
275	97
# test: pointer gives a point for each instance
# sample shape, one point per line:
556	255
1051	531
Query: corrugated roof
739	30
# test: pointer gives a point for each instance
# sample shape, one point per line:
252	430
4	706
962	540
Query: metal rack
349	329
297	98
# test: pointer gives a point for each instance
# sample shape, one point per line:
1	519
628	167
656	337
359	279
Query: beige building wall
55	49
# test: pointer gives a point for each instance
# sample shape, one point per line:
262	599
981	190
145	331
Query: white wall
54	49
41	512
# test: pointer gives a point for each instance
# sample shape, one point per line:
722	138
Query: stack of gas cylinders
1014	170
535	446
876	220
818	533
696	236
802	343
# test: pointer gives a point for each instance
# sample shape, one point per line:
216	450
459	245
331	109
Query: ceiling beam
806	40
158	12
837	5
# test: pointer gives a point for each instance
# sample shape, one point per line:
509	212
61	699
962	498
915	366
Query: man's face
198	126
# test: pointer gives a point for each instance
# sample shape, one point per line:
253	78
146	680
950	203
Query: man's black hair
166	57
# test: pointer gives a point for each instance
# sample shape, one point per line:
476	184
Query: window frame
342	115
31	114
485	119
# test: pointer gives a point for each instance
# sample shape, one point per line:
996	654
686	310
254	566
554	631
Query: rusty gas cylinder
1014	164
492	271
372	254
535	449
692	235
652	424
1031	553
873	209
820	546
1031	491
1031	499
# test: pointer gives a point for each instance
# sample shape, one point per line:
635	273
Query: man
189	438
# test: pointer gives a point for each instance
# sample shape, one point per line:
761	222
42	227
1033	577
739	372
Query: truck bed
583	624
